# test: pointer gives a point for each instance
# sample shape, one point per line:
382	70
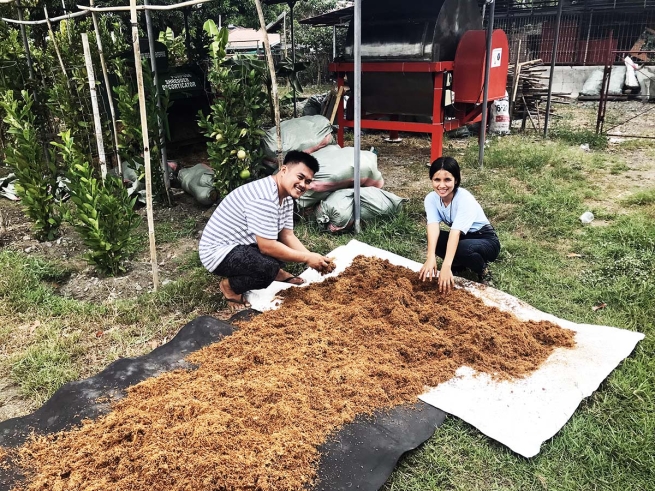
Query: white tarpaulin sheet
520	414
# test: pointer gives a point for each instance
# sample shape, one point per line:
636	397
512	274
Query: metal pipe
26	44
160	122
552	66
485	90
586	49
143	7
43	21
357	97
187	33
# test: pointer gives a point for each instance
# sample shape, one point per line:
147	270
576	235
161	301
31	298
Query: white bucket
500	122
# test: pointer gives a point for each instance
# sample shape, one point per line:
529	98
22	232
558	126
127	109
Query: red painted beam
399	67
372	124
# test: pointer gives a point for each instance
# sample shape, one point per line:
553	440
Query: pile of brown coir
252	414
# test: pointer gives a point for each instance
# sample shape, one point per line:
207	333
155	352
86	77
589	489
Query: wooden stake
271	69
146	148
525	108
94	105
110	97
515	83
337	101
54	43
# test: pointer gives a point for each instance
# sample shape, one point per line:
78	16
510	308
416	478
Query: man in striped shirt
250	235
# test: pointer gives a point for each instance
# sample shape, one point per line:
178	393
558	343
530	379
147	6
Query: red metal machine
410	61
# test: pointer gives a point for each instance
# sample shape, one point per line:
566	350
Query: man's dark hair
297	157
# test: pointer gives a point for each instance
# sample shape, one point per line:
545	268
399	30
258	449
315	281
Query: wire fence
588	30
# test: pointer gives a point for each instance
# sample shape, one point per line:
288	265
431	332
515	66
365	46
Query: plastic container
587	217
500	119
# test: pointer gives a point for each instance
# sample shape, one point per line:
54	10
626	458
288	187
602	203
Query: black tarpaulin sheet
360	455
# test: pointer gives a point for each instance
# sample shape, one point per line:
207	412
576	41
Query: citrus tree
237	114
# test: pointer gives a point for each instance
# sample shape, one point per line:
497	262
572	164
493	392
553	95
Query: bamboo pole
110	98
271	69
146	144
515	83
56	46
94	105
30	68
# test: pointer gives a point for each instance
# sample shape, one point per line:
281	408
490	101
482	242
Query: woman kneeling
471	243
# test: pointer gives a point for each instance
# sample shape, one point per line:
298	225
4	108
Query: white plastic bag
630	76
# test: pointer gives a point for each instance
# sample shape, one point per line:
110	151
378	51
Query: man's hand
316	261
446	280
428	270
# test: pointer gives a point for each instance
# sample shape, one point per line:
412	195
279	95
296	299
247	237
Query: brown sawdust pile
251	416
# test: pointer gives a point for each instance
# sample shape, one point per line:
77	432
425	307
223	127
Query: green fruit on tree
244	174
241	154
219	137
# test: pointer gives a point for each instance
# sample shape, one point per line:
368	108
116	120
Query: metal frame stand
438	126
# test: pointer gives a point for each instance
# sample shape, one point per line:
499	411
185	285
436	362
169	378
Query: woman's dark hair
298	157
448	164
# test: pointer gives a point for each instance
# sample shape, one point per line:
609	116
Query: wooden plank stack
527	86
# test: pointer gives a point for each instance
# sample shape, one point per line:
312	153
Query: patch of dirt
12	404
399	162
638	175
630	118
184	222
262	400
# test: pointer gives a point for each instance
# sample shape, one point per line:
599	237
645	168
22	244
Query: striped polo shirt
250	210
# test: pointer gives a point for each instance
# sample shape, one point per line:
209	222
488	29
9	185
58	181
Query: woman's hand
446	280
428	270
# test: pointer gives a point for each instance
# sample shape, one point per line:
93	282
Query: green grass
52	340
637	144
171	231
533	191
641	198
579	137
48	363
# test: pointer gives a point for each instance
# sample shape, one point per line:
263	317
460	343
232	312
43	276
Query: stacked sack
308	134
337	171
332	191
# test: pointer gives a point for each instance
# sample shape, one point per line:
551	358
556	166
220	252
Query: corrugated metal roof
333	18
243	38
512	7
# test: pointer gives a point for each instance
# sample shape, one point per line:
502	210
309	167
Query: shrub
104	214
37	175
234	124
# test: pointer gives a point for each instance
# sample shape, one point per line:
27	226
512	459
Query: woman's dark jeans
474	250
